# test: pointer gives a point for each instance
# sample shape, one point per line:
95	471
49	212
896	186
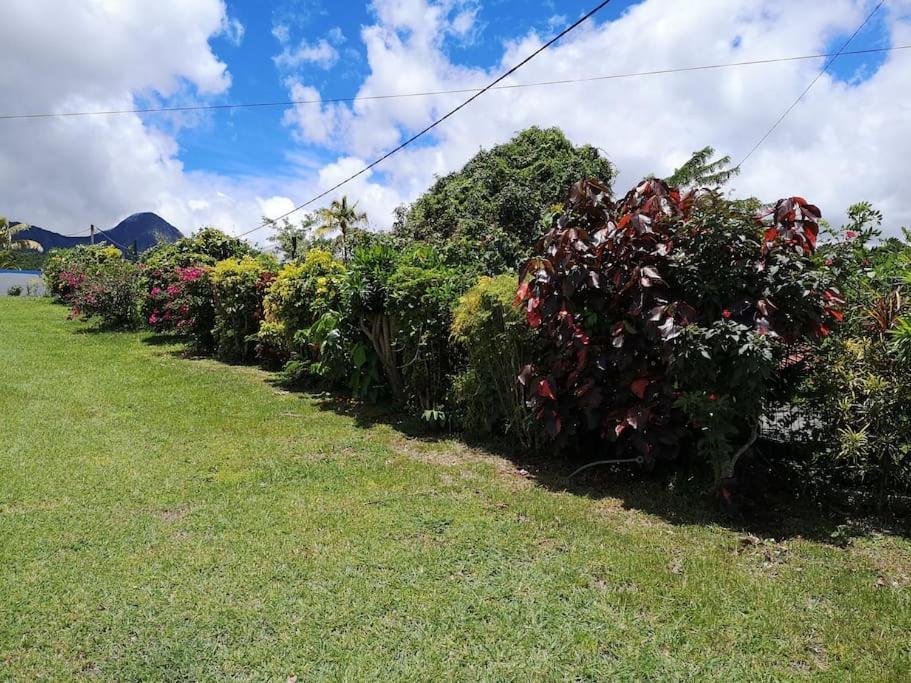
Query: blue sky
258	139
255	141
847	142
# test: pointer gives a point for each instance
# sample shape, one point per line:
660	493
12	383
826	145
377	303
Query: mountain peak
145	230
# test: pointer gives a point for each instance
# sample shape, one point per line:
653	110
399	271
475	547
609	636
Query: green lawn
172	519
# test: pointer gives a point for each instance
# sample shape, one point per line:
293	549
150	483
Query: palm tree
9	245
6	237
341	217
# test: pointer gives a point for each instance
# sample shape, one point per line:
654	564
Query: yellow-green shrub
496	341
302	292
238	287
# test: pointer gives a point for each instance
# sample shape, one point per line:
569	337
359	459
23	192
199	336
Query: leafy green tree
292	239
490	212
340	217
701	171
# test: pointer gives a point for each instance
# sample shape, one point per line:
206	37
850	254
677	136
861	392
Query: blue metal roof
36	273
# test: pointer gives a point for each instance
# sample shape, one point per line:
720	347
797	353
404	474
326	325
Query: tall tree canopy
491	210
292	239
701	171
342	218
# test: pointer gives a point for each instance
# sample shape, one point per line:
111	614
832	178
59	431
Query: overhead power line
112	240
459	91
800	97
588	15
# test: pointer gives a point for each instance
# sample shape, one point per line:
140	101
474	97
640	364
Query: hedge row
660	325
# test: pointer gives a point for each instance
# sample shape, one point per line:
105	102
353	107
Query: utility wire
112	240
800	97
462	91
440	120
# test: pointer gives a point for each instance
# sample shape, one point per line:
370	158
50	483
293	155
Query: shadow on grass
769	507
163	339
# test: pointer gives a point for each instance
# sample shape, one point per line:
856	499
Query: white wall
23	278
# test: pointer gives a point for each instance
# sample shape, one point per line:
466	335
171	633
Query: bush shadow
767	507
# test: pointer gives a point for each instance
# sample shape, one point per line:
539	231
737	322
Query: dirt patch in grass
453	454
174	514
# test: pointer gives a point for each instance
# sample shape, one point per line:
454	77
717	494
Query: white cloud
233	30
65	173
464	21
321	54
313	122
273	207
198	204
376	199
282	33
845	143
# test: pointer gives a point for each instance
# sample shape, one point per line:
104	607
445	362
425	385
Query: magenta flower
190	274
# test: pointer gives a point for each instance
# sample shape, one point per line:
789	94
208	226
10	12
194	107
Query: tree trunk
379	332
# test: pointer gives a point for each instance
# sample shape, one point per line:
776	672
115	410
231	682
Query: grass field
172	519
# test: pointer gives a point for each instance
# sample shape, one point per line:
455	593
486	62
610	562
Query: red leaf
522	293
639	387
545	391
812	232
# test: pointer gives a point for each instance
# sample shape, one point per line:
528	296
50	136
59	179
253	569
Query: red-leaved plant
668	315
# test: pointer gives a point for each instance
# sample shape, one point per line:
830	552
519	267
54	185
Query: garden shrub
181	300
300	295
238	287
370	270
108	292
204	248
15	290
864	429
401	301
422	292
174	282
496	342
858	390
663	317
66	268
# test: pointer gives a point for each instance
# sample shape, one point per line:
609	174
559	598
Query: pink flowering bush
66	269
108	293
180	300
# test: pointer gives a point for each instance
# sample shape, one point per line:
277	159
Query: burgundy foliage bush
668	315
